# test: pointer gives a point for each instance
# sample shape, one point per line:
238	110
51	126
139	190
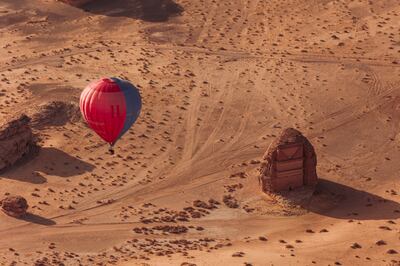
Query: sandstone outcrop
290	162
16	140
15	206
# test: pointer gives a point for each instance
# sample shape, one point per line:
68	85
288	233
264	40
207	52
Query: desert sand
219	81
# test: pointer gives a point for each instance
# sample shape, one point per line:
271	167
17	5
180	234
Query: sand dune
219	81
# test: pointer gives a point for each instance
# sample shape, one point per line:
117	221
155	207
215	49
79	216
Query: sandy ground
219	82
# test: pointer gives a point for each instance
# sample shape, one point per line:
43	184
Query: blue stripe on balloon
133	103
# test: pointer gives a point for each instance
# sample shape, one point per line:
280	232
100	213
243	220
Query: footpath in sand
219	81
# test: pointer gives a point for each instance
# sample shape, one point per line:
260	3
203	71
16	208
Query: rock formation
15	206
290	162
76	2
16	140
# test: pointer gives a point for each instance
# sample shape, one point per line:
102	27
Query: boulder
290	162
16	140
15	206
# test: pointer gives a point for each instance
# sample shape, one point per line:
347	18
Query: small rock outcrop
16	140
15	206
290	162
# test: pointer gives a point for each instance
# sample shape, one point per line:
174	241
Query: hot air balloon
110	106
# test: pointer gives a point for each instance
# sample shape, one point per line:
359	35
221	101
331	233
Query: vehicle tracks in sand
226	94
235	54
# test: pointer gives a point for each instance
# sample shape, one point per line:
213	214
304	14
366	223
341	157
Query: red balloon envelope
110	106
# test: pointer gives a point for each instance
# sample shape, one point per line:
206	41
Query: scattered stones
171	229
148	247
215	41
212	204
230	201
239	174
234	187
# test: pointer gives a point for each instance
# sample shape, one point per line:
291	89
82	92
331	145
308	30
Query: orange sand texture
219	80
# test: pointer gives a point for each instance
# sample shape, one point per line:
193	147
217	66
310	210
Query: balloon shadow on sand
49	161
343	202
147	10
36	219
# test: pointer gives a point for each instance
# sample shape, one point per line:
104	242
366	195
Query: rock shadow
36	219
47	160
343	202
147	10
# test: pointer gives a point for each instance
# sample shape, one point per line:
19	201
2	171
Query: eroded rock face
76	2
16	140
290	162
15	206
